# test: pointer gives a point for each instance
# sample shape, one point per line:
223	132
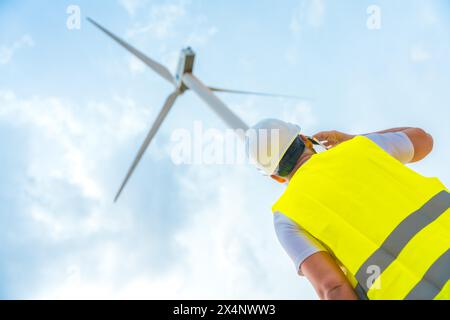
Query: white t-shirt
296	241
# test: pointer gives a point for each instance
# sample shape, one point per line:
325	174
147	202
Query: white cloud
200	38
428	13
316	13
163	19
418	54
7	52
309	13
254	108
291	55
170	20
67	145
135	65
103	251
131	6
301	114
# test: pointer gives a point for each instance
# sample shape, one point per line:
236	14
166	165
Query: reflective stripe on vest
433	281
401	235
387	225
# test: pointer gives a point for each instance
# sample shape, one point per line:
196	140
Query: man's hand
327	278
332	138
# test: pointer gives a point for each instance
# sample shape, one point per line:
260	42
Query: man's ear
278	179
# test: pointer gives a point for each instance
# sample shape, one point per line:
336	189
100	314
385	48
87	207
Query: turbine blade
257	93
232	120
162	115
155	66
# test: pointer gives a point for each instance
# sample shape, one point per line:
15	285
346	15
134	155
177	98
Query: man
354	220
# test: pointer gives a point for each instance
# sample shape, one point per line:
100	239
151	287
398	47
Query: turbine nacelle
185	65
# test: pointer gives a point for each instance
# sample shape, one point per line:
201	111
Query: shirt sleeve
397	144
296	241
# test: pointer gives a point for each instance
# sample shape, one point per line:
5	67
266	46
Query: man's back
370	210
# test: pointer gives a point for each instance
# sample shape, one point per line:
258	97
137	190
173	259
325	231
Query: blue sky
74	108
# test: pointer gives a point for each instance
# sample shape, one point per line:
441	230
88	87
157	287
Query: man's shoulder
397	144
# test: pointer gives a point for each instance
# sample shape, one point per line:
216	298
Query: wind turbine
183	80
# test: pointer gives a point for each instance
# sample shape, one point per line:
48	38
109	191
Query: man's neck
303	159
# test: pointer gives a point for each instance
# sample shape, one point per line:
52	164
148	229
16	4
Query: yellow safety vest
388	226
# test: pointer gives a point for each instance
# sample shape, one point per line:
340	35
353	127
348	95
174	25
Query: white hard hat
268	141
